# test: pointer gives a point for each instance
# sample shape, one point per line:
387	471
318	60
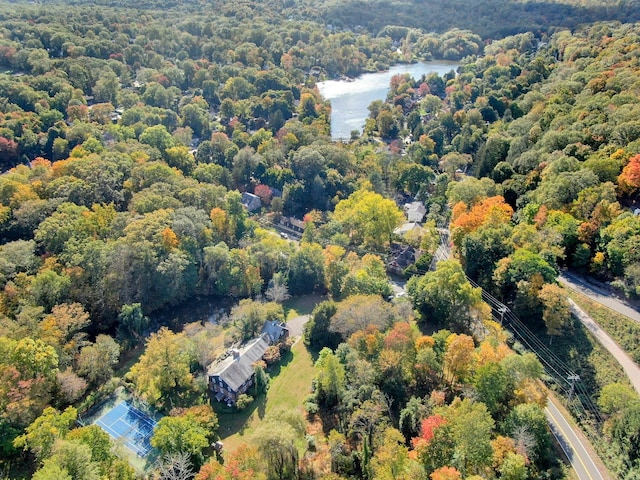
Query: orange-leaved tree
465	219
629	179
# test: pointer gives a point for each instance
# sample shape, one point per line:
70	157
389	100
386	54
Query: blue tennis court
129	425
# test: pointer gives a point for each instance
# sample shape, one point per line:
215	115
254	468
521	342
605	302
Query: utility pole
573	378
502	309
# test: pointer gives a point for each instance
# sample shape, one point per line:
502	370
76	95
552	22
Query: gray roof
236	371
274	330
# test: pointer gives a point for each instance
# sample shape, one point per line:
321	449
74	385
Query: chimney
236	353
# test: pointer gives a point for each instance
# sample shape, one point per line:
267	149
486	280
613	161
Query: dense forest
128	137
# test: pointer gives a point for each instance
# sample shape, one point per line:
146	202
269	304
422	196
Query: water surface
350	99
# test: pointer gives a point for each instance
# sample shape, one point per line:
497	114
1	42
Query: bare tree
175	466
278	291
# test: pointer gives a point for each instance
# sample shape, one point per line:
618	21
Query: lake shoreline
350	99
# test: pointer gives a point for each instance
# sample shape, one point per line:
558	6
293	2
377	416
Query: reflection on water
350	99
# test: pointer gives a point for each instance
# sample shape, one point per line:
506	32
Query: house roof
415	207
235	370
274	330
406	227
251	201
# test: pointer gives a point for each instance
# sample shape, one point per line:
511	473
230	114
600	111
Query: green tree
471	426
306	269
368	218
40	436
158	137
183	434
163	375
96	361
316	331
330	378
555	308
446	297
276	439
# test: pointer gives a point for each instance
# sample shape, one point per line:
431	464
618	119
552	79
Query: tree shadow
575	348
275	369
232	421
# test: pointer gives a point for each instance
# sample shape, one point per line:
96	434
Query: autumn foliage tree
466	219
629	179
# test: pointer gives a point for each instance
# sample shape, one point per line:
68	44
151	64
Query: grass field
290	384
303	305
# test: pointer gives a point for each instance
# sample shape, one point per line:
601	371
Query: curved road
594	293
581	458
574	449
597	294
628	365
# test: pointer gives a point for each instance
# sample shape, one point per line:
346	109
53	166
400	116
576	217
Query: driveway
296	325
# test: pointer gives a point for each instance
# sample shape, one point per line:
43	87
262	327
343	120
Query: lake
350	99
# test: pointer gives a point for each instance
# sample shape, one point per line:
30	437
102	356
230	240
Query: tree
28	370
175	466
555	312
360	311
277	291
458	357
306	269
524	265
513	467
411	417
492	384
244	463
75	459
391	459
158	137
629	179
368	218
163	375
317	333
96	361
446	473
183	434
472	426
40	436
446	297
616	397
249	316
530	419
330	378
276	443
70	385
51	471
132	323
98	441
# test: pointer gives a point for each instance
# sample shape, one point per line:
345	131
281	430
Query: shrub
243	401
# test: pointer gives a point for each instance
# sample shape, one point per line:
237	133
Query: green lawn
290	384
304	305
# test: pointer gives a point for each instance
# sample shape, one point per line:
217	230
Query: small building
276	332
293	224
251	202
406	228
415	211
232	376
401	257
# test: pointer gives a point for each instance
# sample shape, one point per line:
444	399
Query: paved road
580	458
599	295
573	447
630	368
